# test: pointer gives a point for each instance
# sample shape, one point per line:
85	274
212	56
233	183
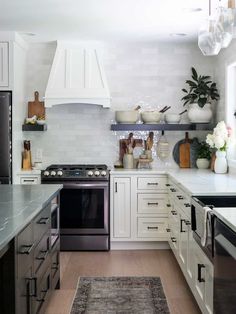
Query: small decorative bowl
41	122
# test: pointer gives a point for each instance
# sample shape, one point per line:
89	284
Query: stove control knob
59	173
103	173
53	173
97	173
46	173
90	173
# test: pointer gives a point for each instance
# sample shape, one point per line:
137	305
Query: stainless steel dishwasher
224	269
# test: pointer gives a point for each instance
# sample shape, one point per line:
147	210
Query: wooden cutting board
36	107
184	153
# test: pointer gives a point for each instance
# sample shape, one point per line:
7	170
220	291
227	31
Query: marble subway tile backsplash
153	73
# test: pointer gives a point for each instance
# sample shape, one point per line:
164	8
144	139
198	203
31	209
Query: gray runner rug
120	295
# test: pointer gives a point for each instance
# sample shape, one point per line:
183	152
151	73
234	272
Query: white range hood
77	76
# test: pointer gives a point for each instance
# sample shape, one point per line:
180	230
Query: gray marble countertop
19	204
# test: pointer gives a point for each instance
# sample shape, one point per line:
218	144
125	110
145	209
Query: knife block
26	160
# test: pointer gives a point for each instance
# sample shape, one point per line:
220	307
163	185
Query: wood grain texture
160	263
36	107
184	153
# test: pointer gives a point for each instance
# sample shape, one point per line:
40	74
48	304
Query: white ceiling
135	20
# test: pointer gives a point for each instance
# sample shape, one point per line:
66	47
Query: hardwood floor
160	263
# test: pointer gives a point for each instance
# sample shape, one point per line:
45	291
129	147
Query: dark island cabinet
37	263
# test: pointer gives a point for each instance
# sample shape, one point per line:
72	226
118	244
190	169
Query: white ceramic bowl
41	122
172	118
127	116
151	117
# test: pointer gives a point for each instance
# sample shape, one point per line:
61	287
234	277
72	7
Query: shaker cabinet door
4	64
121	208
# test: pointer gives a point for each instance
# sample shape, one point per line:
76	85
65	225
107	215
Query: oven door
84	208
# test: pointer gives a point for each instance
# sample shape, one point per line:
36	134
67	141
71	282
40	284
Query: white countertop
194	181
227	215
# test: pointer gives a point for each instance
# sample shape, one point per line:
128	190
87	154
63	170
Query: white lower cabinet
152	227
203	280
173	228
29	177
196	267
139	208
121	208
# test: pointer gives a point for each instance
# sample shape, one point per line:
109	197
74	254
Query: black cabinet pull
180	197
56	267
199	272
32	292
173	239
43	256
187	223
173	212
43	221
187	205
167	184
26	249
116	187
168	205
173	190
152	183
152	228
168	230
181	225
149	203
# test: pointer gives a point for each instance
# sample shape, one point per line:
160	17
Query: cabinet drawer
42	223
55	266
152	183
29	180
43	292
152	228
41	253
25	247
152	204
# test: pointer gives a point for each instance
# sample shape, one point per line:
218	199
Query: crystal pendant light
226	23
210	38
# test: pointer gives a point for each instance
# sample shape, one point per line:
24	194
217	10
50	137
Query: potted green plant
202	91
203	156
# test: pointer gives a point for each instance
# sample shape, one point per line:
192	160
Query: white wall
149	72
225	58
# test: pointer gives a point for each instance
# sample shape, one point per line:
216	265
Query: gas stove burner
75	172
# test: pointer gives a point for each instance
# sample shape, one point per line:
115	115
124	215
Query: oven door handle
84	185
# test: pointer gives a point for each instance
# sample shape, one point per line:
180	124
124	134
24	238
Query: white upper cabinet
4	64
77	76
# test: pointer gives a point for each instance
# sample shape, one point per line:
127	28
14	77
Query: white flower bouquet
220	137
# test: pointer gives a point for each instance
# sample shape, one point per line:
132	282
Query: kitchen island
29	263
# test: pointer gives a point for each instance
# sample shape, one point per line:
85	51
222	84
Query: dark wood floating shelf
34	127
163	126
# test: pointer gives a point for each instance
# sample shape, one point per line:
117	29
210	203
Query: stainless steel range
84	205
